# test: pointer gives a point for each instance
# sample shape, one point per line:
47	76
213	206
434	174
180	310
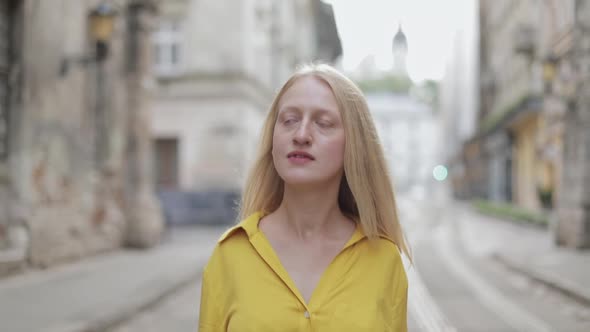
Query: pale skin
308	230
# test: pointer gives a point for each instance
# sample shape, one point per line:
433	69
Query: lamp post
549	72
101	23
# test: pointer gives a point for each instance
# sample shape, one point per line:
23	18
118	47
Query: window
174	52
167	41
166	163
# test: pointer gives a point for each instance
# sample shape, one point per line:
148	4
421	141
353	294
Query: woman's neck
310	212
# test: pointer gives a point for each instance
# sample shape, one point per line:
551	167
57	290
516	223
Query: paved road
455	285
179	312
455	257
95	292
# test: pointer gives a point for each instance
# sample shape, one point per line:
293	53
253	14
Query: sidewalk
95	293
528	250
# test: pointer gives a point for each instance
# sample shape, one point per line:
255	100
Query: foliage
387	83
512	212
427	92
545	197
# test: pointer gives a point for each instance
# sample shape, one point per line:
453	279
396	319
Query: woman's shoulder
385	250
227	250
389	259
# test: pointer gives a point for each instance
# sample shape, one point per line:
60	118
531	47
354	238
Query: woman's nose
302	135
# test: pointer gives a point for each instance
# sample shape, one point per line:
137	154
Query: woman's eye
324	124
289	121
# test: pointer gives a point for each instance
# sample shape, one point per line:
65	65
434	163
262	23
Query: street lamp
101	21
549	72
102	25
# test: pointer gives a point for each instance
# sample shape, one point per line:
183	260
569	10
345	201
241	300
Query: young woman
319	245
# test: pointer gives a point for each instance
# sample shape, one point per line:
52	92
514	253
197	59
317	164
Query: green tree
387	83
427	92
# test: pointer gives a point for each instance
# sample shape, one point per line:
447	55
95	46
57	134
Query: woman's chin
300	181
306	181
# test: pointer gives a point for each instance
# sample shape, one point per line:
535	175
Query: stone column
573	214
144	216
14	231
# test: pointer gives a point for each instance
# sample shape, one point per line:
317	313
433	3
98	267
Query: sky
368	27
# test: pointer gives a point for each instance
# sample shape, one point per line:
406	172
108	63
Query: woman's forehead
308	92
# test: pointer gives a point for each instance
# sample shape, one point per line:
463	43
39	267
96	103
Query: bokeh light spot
440	173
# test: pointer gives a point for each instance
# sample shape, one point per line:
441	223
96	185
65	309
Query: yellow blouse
245	287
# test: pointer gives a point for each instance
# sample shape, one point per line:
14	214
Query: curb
507	219
553	281
563	286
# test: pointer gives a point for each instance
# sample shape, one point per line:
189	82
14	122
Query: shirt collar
250	226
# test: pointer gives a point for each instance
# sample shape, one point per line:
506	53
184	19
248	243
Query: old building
570	53
459	98
406	125
515	110
408	133
74	142
532	125
218	64
512	117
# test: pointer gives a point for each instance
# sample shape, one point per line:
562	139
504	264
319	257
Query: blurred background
127	128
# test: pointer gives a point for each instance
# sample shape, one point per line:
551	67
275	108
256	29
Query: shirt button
306	314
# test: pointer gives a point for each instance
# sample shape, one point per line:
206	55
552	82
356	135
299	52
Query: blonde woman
319	245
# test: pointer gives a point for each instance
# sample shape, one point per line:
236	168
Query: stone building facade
511	94
532	134
572	86
75	158
218	64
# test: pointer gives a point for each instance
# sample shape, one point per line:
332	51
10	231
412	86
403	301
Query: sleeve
400	299
209	314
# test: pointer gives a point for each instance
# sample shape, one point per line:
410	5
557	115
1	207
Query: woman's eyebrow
323	111
316	111
288	108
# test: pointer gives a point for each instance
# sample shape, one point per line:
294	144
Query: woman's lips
300	158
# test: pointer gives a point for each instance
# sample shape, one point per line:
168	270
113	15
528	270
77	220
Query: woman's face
308	140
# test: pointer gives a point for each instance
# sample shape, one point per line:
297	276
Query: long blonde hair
366	191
